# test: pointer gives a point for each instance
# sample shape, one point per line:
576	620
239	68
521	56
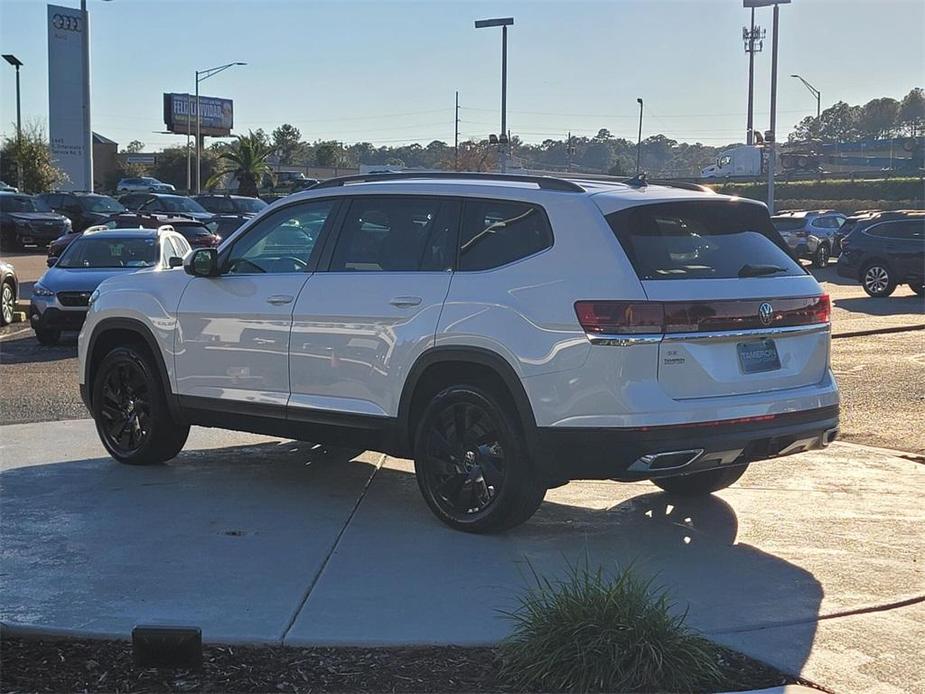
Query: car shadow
27	350
316	544
883	306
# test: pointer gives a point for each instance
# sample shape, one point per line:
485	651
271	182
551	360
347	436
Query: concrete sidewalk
801	564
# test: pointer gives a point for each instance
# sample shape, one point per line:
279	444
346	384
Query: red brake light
620	316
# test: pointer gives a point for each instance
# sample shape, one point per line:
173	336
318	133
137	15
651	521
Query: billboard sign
217	114
66	106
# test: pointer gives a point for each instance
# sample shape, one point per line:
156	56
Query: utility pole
87	127
456	137
570	150
189	151
772	147
753	37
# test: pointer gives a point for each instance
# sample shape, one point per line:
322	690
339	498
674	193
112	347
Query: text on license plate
755	357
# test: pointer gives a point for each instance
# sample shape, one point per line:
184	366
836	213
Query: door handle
405	301
280	299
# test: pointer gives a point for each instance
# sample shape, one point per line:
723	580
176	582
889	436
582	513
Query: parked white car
508	333
144	184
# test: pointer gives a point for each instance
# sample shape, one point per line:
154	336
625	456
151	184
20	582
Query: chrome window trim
643	339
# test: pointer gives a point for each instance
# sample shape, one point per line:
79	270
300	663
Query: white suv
508	333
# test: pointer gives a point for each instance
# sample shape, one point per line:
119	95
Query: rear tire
877	280
701	483
821	256
130	408
47	337
472	464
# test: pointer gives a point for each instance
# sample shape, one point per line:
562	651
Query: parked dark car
25	219
9	291
132	201
83	209
231	211
885	250
197	234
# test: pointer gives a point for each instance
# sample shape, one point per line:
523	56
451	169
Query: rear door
741	316
359	326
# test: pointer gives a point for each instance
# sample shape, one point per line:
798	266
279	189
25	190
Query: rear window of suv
702	240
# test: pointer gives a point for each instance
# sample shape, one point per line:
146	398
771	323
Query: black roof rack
543	182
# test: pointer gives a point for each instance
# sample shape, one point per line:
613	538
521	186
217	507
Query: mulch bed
71	665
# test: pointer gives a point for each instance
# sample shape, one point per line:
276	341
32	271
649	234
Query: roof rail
684	185
543	182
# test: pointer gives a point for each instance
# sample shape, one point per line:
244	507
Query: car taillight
620	316
635	317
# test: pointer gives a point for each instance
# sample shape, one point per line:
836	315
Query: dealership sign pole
68	97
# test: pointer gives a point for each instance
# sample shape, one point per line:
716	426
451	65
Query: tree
38	170
912	112
171	165
328	154
134	147
286	139
838	123
246	160
878	118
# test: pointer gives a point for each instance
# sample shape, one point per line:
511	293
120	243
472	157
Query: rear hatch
738	314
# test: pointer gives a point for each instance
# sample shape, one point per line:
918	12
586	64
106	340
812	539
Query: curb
879	331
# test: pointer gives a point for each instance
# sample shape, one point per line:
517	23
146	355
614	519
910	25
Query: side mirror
203	262
51	261
174	261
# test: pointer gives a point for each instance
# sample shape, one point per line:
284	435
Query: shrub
846	206
592	631
900	189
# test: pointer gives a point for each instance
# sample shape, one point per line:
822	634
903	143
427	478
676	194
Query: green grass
593	631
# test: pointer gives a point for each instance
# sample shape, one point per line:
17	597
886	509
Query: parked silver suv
812	234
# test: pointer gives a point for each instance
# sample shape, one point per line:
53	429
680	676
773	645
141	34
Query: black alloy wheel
821	256
471	463
877	280
125	408
133	420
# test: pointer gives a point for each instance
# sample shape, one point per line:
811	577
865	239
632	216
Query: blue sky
385	72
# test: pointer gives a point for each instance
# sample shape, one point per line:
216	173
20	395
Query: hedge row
898	189
847	206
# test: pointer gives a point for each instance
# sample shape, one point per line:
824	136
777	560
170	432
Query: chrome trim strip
648	339
757	332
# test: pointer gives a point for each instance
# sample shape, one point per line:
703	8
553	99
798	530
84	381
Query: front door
233	337
359	326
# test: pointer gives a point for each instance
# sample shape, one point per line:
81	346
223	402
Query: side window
398	234
497	232
282	242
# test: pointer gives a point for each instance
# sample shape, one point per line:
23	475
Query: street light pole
504	23
17	63
639	138
200	76
815	92
189	152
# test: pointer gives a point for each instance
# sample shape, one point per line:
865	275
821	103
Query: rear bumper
572	453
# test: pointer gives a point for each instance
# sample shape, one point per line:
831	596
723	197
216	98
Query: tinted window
22	203
217	204
911	229
175	204
700	240
90	252
399	234
283	242
249	204
787	223
101	203
497	232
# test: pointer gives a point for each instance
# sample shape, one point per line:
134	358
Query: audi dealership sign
66	29
180	111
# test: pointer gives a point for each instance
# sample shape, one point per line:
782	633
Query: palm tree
246	160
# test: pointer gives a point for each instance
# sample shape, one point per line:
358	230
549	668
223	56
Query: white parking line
18	332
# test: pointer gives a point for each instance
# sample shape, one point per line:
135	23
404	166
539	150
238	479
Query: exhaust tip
668	460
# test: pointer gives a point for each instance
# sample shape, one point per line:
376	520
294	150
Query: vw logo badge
765	313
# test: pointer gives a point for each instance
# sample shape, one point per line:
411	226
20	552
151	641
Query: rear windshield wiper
759	270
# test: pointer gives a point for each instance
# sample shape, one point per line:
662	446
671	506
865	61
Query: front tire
472	464
47	337
7	303
877	280
821	256
130	408
701	483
